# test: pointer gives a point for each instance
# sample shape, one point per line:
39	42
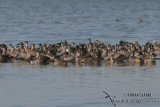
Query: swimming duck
4	57
39	47
104	53
59	62
18	50
12	53
62	51
120	56
3	46
21	45
72	48
32	51
23	55
85	58
148	58
156	48
26	48
111	60
69	58
109	57
132	57
38	59
51	56
140	20
140	59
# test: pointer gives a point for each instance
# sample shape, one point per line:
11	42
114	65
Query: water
48	21
77	20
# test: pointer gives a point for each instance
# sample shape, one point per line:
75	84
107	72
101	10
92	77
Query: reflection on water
76	64
75	85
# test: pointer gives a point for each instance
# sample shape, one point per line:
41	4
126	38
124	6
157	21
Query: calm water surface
42	21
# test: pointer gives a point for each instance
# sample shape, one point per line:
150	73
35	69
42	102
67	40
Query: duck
140	59
12	52
10	46
120	58
72	48
18	50
85	58
132	57
21	45
156	48
51	56
136	58
39	47
104	53
59	62
140	20
137	46
62	51
70	57
155	45
97	42
148	58
3	46
117	19
4	57
111	60
38	59
110	54
26	48
23	55
33	51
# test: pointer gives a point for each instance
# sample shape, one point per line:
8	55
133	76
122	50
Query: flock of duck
63	52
